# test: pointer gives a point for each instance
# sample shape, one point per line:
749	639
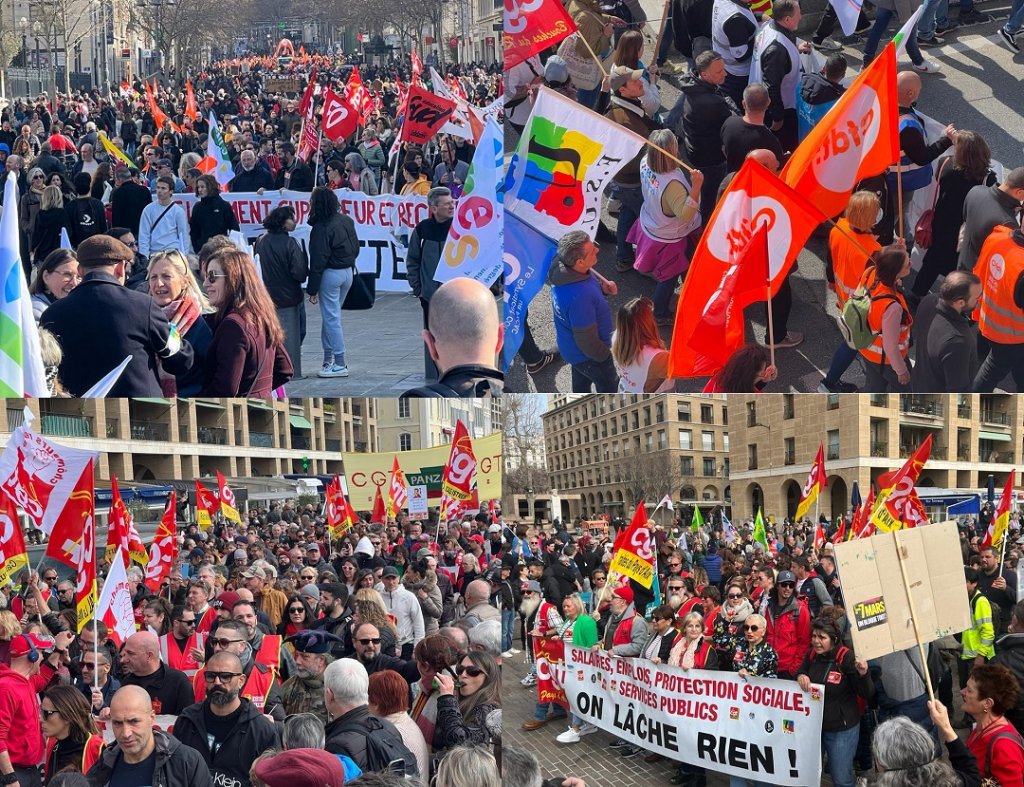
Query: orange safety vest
90	753
848	260
257	685
269	654
173	656
1000	266
882	298
205	623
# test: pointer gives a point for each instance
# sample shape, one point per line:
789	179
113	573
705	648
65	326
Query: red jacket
789	632
20	734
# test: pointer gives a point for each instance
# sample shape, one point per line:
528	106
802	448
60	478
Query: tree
522	447
649	476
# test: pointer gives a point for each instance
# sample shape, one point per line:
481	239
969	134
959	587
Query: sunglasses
186	622
674	565
599	579
50	578
675	587
735	595
39	177
221	677
787	584
296	610
473	672
223	643
368	640
751	628
48	713
212	277
87	665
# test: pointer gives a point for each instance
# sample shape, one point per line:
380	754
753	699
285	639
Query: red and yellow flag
457	480
379	514
634	556
207	505
13	555
862	527
397	492
80	518
895	508
164	549
814	484
1001	519
228	506
121	531
858	138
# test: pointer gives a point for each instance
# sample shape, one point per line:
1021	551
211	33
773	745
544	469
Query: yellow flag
114	151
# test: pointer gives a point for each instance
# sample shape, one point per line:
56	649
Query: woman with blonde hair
51	219
638	350
175	290
188	161
669	214
850	244
9	629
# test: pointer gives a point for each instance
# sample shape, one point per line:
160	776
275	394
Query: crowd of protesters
241	327
746	92
269	656
728	603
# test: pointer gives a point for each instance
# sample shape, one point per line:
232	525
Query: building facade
154	439
606	452
973	436
410	424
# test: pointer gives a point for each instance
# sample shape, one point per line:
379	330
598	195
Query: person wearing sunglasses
755	657
469	712
73	742
366	639
789	625
727	630
297	617
228	730
261	685
183	648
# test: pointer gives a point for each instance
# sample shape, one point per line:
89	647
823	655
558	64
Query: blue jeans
588	98
941	16
631	199
540	712
508	622
739	781
842	358
334	286
926	24
1016	21
882	20
600	374
662	297
841	746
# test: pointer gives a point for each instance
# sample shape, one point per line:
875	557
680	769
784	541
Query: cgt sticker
870	613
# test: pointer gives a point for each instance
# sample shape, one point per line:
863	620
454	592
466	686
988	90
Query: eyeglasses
39	177
751	628
735	595
675	587
375	543
374	640
48	713
223	643
186	622
221	677
212	276
307	577
473	672
296	610
787	584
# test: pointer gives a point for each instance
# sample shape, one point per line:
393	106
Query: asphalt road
979	88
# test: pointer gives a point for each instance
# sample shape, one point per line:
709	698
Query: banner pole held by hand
913	615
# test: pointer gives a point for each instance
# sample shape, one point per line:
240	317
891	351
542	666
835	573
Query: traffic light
305	464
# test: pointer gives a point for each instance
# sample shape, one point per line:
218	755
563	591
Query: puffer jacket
229	765
697	119
177	765
789	633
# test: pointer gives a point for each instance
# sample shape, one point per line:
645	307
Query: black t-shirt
128	775
218	727
170	689
740	137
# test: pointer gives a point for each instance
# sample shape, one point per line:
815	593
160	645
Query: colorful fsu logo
787	726
734	713
556	165
579	675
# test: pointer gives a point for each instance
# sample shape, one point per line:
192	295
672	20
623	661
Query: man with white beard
528	606
544	620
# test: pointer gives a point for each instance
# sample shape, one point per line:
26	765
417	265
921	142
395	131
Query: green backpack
853	321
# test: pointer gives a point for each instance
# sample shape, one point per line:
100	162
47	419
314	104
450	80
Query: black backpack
383	749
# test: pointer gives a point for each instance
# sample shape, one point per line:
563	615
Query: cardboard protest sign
418	500
756	728
549	656
876	598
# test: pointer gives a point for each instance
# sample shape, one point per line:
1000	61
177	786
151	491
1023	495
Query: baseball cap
785	576
390	571
620	75
23	644
533	586
254	571
494	529
556	70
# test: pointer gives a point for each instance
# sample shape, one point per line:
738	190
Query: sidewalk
383	350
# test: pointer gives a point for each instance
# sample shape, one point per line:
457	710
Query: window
725	416
686	465
751	415
685	439
684	412
709	466
707	414
879	430
659	412
707	441
788	408
625	423
789	452
636	419
404	439
403	407
604	429
650	442
647	416
832	402
752	456
725	471
833	444
662	440
725	442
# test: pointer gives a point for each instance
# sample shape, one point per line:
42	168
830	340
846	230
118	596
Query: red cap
23	644
477	537
625	593
226	600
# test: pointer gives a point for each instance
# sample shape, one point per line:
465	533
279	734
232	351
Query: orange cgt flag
755	233
857	139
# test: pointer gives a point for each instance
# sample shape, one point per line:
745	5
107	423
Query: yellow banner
86	607
633	566
203	518
9	568
883	518
365	472
230	513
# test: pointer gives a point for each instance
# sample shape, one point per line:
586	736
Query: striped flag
1001	520
900	39
21	361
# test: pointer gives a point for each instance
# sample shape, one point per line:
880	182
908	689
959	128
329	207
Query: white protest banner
759	728
375	219
417	503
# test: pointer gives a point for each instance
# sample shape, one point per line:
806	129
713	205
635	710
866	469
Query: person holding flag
996	582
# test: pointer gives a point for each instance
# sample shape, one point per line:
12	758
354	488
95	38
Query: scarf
737	614
185	310
690	651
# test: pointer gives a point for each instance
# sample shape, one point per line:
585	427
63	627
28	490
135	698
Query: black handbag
362	293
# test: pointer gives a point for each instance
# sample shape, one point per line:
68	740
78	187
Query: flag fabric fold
228	506
816	481
114	607
379	513
527	260
459	471
164	549
1001	518
634	556
696	521
760	536
217	161
13	555
397	491
207	505
530	27
893	506
848	12
340	119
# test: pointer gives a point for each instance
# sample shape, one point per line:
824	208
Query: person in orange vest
183	647
850	244
885	359
261	684
1001	313
73	742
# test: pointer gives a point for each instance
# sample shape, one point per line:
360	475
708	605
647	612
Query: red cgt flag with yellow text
896	507
164	549
634	557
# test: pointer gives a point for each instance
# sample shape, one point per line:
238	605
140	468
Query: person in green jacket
583	630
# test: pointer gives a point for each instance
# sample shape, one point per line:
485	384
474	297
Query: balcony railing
331	444
213	435
963	410
261	439
147	430
939	452
66	425
930	409
300	441
113	428
963	454
879	448
989	417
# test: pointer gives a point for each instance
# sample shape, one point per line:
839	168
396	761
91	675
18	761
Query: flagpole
899	192
661	31
319	144
95	652
913	614
771	324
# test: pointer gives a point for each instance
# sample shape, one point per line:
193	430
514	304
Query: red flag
307	94
819	536
492	508
397	494
894	504
403	93
733	267
532	27
340	118
228	506
457	479
378	514
417	65
207	505
191	110
634	555
858	138
13	555
840	535
355	91
158	114
425	113
862	527
814	484
1001	518
164	549
121	530
79	518
340	516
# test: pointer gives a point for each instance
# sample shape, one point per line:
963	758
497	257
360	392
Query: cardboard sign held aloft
882	616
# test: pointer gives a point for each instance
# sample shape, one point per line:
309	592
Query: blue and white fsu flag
527	256
21	362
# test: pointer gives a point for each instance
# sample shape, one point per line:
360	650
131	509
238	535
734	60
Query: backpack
382	750
853	322
1010	734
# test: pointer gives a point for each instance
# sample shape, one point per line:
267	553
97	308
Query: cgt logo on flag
734	713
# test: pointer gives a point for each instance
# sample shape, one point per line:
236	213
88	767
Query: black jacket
285	267
46	233
297	177
333	244
86	217
252	180
946	348
841	711
1010	653
407	669
815	89
127	202
229	765
775	64
697	119
342	739
212	215
99	324
177	765
465	380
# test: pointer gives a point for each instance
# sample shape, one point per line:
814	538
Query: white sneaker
333	370
569	736
928	67
507	654
529	680
514	651
587	729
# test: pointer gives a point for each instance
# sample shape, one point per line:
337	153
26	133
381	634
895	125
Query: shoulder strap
159	218
1003	734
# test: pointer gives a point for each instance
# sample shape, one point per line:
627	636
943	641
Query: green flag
759	535
698	522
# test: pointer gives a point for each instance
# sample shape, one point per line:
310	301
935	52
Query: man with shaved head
168	688
463	337
143	755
